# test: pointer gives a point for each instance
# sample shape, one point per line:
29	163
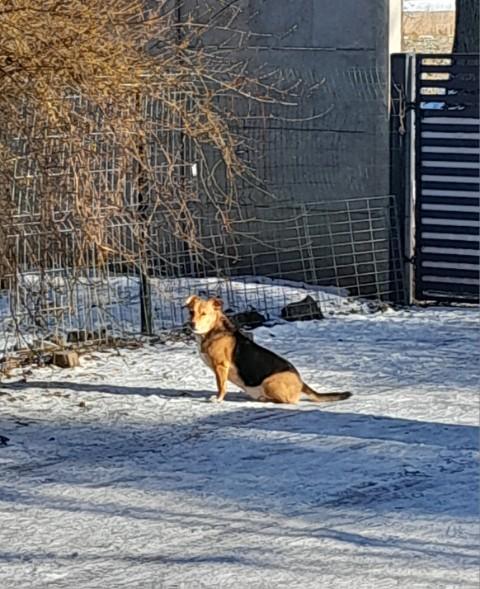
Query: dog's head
204	314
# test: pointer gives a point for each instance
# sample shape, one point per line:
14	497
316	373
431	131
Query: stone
248	319
66	359
305	310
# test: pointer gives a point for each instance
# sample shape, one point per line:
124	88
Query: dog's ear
217	303
190	301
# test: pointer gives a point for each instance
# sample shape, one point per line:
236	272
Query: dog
233	357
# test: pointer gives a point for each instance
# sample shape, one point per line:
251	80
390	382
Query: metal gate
442	180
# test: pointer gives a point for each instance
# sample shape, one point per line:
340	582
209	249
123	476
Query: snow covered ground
120	474
421	5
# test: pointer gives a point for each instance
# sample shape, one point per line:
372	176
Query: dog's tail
324	397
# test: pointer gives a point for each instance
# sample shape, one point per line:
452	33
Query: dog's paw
215	399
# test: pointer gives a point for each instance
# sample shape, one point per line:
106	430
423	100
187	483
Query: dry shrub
104	107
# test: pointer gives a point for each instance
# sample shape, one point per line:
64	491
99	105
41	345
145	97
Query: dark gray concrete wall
333	144
343	46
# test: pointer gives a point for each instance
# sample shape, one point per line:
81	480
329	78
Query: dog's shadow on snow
309	418
56	386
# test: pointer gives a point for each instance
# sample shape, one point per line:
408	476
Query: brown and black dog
233	357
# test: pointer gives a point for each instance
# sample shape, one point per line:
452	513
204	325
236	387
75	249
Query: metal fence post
402	152
410	176
145	291
146	317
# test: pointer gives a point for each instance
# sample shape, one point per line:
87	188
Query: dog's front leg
221	374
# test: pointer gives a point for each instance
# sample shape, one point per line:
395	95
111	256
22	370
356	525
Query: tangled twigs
98	130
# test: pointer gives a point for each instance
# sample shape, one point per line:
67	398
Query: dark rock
304	310
66	359
248	319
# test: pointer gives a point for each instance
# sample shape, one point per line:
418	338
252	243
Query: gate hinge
411	260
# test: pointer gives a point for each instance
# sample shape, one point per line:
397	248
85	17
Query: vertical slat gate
447	209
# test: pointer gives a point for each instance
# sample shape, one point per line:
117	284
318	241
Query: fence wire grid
275	256
280	246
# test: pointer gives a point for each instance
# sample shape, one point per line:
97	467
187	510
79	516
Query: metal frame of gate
439	181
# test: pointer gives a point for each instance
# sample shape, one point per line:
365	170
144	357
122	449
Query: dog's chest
204	356
206	359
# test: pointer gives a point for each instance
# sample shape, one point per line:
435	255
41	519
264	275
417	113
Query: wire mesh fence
273	256
168	237
280	254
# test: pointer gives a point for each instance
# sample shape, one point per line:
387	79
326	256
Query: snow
120	473
425	5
